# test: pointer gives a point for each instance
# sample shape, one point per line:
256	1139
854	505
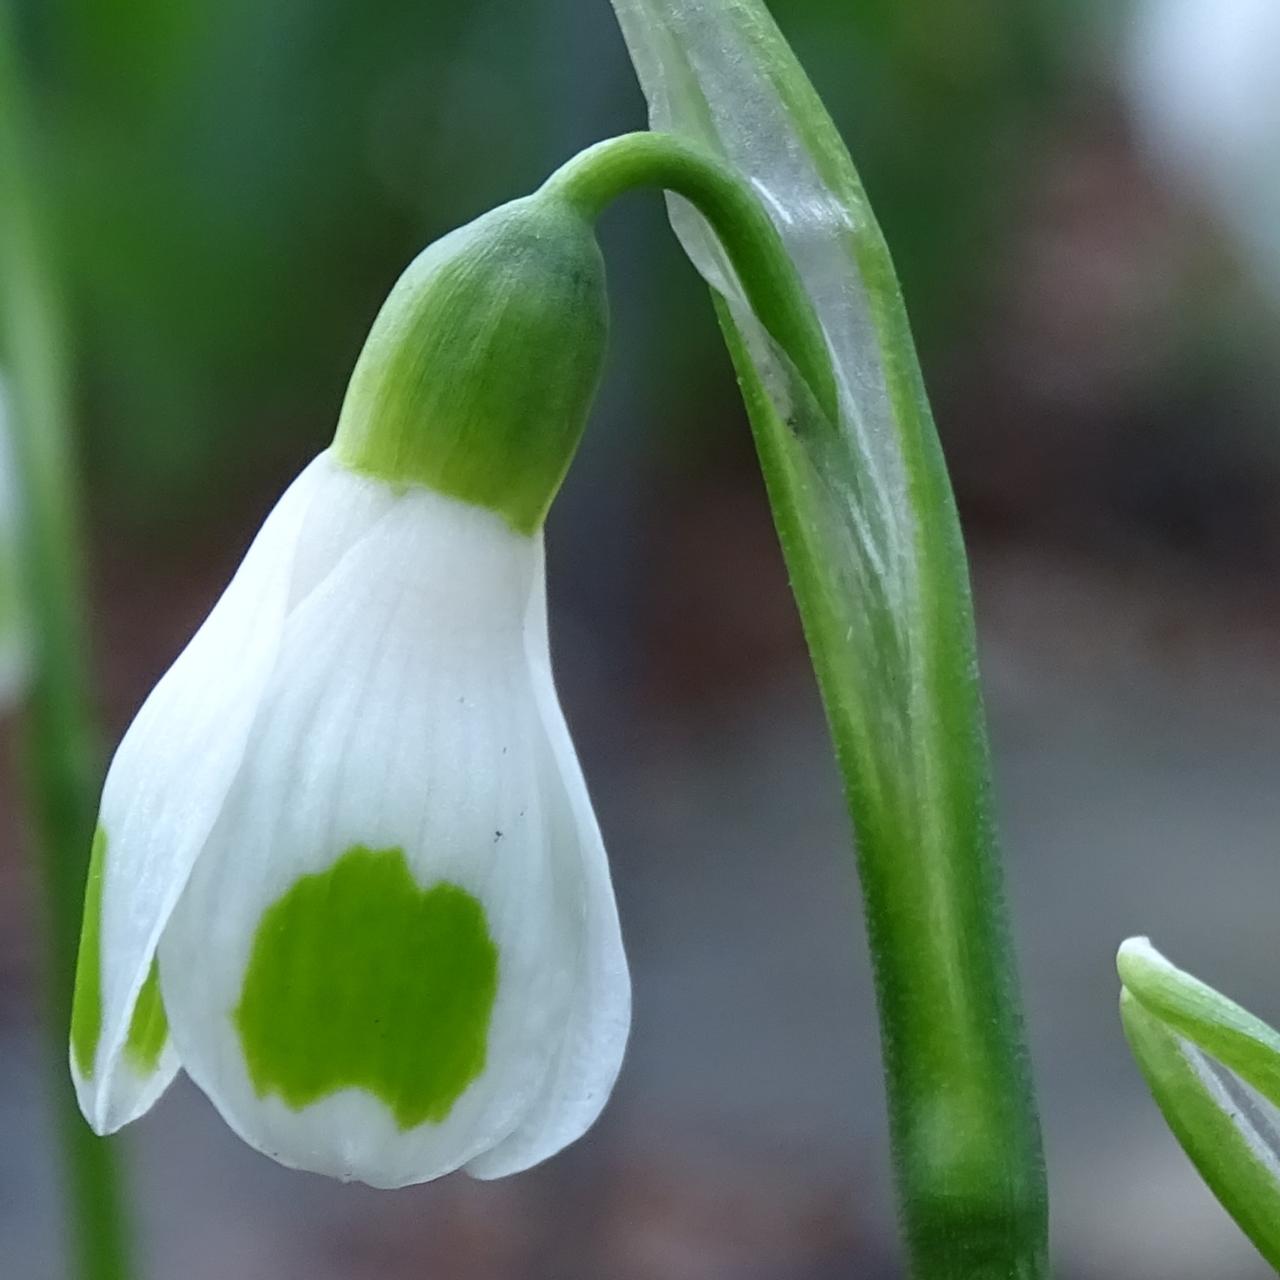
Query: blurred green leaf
1202	1056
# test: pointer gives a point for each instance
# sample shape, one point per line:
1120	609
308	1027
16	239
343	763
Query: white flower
350	829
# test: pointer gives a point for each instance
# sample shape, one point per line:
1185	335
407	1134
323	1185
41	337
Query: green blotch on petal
148	1027
86	1006
359	978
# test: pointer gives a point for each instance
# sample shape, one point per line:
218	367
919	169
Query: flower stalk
895	663
869	530
59	759
600	174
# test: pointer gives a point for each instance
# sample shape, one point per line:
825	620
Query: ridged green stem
882	588
60	759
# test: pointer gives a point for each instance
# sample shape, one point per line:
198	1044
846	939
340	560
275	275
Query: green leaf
1223	1029
1204	1056
1230	1136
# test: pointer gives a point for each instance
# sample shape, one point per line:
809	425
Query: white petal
582	1075
171	771
402	716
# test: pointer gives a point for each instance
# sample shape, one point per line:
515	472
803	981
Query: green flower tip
148	1026
86	1009
479	372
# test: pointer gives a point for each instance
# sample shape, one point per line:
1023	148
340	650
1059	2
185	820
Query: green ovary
359	978
148	1027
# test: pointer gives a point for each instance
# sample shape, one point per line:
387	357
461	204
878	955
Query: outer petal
401	729
167	782
582	1075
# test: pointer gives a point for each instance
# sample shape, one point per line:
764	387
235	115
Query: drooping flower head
347	874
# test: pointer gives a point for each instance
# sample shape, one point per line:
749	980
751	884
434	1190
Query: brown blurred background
1085	209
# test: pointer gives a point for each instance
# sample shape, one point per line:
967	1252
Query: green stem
963	1121
60	756
877	564
598	175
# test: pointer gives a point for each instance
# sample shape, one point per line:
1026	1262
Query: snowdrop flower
347	874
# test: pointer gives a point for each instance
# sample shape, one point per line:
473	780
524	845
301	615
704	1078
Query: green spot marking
86	1006
358	978
148	1028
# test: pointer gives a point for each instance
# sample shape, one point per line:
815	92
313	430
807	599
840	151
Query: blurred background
1084	205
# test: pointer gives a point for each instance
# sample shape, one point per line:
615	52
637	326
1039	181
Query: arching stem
868	527
602	173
